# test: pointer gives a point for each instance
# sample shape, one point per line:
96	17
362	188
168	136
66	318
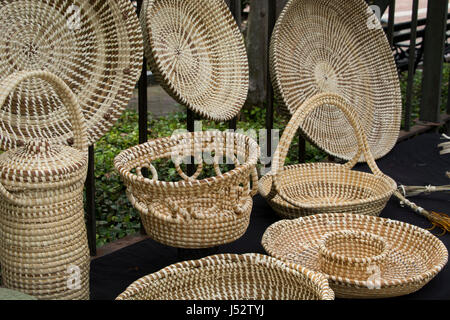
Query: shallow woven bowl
414	256
95	46
304	189
337	46
197	53
230	277
197	211
325	188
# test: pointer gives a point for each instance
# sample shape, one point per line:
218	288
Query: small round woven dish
230	277
337	46
94	46
311	188
414	256
197	54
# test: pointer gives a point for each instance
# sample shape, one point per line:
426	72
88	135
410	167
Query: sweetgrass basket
361	256
94	46
43	241
311	188
337	46
230	277
193	213
197	53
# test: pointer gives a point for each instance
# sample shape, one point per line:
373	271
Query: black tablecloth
413	162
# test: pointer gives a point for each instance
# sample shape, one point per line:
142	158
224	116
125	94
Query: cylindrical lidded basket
311	188
231	277
43	243
193	212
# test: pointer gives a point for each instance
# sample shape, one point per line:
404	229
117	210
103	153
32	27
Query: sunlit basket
312	188
364	256
197	53
193	213
95	46
230	277
337	46
43	241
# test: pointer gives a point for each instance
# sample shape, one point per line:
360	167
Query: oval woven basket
311	188
43	241
197	54
230	277
95	46
193	213
337	46
414	256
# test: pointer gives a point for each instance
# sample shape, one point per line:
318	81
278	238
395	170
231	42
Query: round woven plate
415	256
95	46
197	53
337	46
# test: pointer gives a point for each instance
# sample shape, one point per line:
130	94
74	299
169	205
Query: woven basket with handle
230	277
193	213
197	53
43	242
311	188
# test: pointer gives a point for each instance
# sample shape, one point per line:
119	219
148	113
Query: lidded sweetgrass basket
311	188
230	277
94	46
337	46
193	212
361	256
43	242
197	53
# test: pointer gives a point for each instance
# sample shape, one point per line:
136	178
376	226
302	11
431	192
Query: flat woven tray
230	277
337	46
95	46
197	53
414	255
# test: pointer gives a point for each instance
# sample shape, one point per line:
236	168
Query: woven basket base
328	191
223	226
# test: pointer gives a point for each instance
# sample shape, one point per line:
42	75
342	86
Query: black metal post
391	21
433	60
235	8
90	204
411	65
271	16
190	127
142	105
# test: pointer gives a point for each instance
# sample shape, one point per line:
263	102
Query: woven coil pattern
337	46
414	256
193	213
95	46
350	254
230	277
197	53
43	242
305	189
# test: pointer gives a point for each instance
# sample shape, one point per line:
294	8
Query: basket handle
299	116
9	85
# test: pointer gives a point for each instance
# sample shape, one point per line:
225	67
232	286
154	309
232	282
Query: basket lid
40	161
